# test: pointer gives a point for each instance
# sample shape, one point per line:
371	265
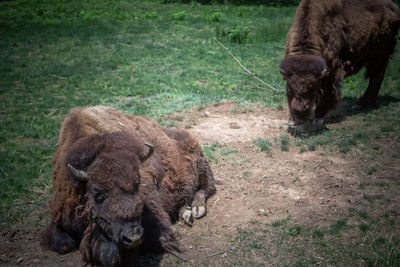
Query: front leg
158	235
330	94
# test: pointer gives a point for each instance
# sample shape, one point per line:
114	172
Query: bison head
303	75
107	169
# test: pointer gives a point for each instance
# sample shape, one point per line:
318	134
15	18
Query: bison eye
98	197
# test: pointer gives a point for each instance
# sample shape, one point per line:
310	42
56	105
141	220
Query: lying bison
332	39
118	183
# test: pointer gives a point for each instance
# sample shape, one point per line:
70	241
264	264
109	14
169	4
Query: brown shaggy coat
108	144
332	39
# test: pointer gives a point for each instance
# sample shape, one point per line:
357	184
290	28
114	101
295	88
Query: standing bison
332	39
118	183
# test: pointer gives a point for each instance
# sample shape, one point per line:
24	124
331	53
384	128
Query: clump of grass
277	223
210	150
181	15
238	34
362	213
317	233
241	109
215	17
263	144
246	175
294	230
228	151
368	197
284	140
364	227
371	170
311	146
338	226
150	15
346	143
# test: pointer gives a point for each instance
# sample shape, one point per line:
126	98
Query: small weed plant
263	145
181	15
214	17
284	140
238	34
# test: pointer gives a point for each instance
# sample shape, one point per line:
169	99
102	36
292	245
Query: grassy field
145	57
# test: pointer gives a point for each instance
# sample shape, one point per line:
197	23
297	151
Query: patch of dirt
314	187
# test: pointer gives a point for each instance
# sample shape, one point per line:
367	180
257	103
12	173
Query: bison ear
81	155
147	153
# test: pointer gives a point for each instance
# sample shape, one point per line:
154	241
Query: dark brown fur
123	194
340	36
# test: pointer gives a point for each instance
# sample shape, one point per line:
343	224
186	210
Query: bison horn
78	174
148	155
324	71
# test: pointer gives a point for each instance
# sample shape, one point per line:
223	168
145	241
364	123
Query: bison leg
57	240
370	97
158	235
330	97
186	215
199	204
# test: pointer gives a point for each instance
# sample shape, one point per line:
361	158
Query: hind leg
370	97
375	73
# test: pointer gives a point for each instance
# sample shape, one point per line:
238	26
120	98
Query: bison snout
131	237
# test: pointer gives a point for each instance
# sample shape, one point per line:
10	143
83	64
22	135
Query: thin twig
216	253
58	76
249	72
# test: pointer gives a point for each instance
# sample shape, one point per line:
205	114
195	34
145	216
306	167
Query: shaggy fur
124	198
332	39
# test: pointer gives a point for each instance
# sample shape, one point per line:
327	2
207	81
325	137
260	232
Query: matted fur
346	35
168	180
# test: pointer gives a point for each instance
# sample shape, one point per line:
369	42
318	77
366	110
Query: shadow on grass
149	259
346	108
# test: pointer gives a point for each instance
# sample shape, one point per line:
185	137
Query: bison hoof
199	204
186	215
198	211
308	127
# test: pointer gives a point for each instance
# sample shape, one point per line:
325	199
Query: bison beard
332	39
114	195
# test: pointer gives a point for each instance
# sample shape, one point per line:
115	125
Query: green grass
263	144
284	141
144	57
291	244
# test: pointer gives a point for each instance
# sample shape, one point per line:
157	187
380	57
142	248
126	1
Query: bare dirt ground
313	187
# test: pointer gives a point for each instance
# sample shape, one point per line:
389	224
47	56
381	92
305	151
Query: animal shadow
346	108
149	259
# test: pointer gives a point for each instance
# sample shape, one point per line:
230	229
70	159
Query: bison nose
131	237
